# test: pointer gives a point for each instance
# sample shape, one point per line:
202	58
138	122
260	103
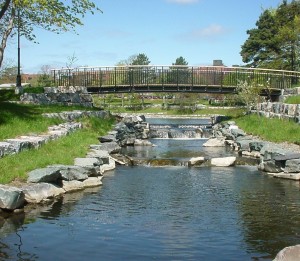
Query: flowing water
163	213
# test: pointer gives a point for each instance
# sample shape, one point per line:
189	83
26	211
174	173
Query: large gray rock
36	193
256	145
271	166
292	166
110	147
101	154
73	172
6	148
107	138
11	197
49	174
87	162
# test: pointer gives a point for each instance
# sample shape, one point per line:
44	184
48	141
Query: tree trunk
5	36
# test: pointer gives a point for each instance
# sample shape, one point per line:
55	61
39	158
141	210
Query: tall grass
275	130
62	151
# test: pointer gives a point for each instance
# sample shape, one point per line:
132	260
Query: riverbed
163	213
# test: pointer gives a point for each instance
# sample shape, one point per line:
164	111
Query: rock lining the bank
279	161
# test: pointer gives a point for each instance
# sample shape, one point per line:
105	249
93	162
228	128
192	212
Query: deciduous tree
53	15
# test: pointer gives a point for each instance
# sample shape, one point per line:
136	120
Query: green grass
62	151
275	130
19	119
293	99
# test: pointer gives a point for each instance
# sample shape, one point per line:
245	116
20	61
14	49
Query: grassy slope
24	119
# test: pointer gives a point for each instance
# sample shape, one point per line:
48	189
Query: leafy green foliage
52	15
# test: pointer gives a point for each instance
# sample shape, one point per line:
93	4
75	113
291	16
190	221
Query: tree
275	42
44	79
140	59
261	47
55	16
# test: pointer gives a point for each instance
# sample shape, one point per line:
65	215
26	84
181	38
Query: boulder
11	197
214	143
74	185
107	167
256	145
92	182
292	166
36	193
110	147
223	162
271	166
195	161
6	148
87	162
107	138
291	253
101	154
139	142
73	172
49	174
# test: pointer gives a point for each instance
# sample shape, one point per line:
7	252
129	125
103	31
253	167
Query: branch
4	8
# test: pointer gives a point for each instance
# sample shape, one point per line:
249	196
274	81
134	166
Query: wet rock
196	161
92	182
36	193
223	162
291	253
139	142
11	197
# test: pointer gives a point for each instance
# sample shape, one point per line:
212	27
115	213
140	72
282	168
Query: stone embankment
62	96
35	141
55	180
278	160
52	181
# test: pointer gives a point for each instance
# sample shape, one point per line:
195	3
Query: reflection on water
172	213
169	213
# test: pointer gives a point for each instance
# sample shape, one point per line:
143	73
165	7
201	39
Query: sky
198	30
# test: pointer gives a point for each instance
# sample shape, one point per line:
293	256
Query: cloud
210	32
183	2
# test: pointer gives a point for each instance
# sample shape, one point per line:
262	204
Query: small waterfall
173	131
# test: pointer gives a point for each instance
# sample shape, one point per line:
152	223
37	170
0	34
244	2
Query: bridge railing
175	75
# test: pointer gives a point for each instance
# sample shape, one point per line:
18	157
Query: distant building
218	63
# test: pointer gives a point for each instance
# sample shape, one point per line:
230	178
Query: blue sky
198	30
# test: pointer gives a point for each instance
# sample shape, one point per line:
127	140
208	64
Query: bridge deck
143	78
143	88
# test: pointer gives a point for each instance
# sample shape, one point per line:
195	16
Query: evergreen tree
275	42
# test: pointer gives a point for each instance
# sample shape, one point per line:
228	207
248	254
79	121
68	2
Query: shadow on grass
9	110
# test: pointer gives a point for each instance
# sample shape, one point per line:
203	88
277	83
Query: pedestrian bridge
175	78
